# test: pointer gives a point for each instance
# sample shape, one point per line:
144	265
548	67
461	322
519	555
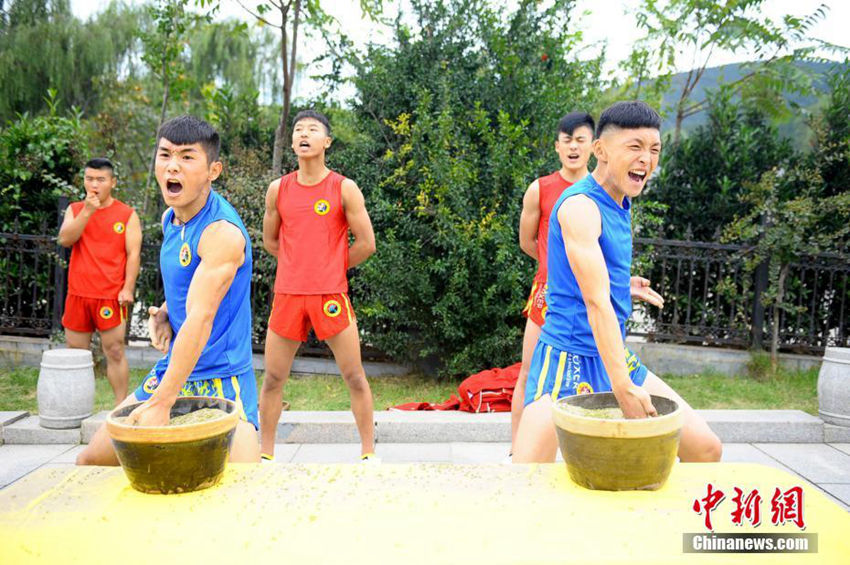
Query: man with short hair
580	349
106	240
309	213
206	266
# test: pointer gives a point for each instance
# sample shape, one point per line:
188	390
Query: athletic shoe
370	458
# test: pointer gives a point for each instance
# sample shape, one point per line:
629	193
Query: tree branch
258	16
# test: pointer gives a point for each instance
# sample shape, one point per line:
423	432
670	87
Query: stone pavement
790	440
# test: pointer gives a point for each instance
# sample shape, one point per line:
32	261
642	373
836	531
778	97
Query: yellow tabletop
422	513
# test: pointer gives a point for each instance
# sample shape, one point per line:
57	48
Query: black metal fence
710	298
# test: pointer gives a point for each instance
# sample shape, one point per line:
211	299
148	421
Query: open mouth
173	187
573	156
637	175
304	145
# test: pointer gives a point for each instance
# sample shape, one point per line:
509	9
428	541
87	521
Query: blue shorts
561	373
241	389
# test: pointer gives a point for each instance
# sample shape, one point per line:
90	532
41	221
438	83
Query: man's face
574	149
630	156
183	172
100	182
309	138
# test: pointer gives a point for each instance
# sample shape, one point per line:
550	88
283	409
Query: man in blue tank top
206	265
580	349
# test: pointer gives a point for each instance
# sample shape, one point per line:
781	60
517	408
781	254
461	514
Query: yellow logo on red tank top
106	312
185	255
118	227
322	207
584	388
332	308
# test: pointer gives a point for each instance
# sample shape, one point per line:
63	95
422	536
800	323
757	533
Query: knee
274	379
85	458
355	379
709	450
114	351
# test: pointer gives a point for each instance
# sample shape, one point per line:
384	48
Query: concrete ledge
91	424
733	426
10	417
26	351
28	431
835	434
764	426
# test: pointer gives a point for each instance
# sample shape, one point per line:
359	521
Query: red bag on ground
487	391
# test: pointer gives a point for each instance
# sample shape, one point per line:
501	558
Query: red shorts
535	308
90	314
293	315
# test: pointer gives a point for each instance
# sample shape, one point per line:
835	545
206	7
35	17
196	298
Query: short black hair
186	130
574	120
318	116
632	114
100	163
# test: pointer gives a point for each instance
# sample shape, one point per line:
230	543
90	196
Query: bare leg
279	354
77	340
698	443
346	349
245	448
117	369
529	341
536	440
99	451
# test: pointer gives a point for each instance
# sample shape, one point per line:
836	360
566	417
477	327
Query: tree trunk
777	307
288	67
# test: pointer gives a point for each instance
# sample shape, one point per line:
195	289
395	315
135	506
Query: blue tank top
566	326
228	351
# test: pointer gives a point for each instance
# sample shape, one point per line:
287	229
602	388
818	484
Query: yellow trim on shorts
235	383
218	388
347	305
541	379
559	376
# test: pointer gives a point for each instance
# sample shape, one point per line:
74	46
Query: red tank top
313	254
550	189
99	257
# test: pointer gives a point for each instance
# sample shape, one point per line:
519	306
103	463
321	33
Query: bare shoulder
223	239
579	217
349	186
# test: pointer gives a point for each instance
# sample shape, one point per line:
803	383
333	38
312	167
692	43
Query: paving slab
414	452
835	434
28	431
476	452
841	491
91	424
817	463
19	460
301	426
284	452
763	426
845	447
329	453
747	453
68	456
438	427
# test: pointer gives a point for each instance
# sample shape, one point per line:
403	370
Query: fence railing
710	298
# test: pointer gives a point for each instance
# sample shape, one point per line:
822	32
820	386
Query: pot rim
619	428
172	434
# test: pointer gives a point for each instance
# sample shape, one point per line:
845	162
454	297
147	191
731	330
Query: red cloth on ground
487	391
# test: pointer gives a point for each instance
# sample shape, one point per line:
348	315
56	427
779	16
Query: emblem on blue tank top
185	255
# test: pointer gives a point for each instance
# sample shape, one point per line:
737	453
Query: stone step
733	426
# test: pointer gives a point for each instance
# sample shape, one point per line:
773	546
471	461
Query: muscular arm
271	220
581	226
358	221
529	220
222	252
73	227
133	246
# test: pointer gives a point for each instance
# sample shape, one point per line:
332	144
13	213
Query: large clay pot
174	459
65	388
617	454
834	386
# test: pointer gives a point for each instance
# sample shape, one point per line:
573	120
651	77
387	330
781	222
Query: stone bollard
65	388
834	386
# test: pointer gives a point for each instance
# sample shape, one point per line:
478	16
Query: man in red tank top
573	146
106	239
309	213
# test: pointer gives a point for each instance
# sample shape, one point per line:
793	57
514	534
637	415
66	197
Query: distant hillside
729	73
